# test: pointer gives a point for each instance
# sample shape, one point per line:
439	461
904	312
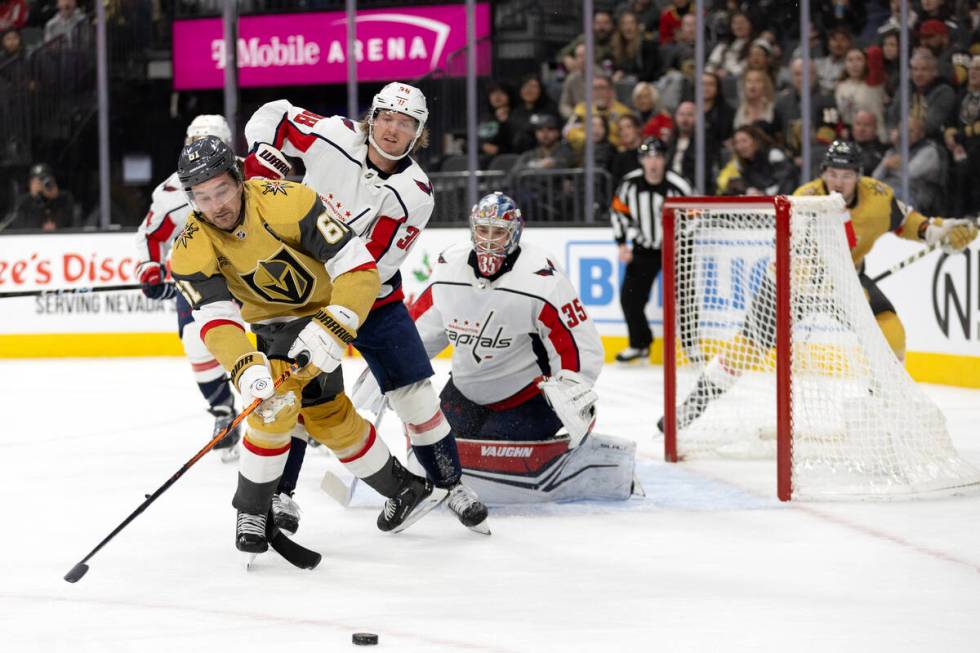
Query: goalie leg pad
515	472
428	430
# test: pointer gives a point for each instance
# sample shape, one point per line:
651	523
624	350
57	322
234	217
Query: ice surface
709	561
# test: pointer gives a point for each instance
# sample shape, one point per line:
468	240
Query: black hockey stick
292	552
68	291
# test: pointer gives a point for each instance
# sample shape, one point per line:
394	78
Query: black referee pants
641	272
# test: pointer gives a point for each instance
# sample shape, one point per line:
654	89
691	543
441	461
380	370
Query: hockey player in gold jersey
268	253
873	211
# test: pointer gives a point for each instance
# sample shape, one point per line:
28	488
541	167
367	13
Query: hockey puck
365	639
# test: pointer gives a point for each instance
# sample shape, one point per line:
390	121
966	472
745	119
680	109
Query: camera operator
45	206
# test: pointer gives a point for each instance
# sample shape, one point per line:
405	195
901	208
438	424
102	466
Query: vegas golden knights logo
281	279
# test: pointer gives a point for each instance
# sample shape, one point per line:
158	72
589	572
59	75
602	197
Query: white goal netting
859	425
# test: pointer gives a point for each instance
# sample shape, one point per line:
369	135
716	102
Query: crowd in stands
643	85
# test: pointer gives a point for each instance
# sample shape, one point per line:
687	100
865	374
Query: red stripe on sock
435	421
262	451
203	367
370	442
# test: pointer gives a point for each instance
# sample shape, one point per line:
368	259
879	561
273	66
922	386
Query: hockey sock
440	461
258	476
294	462
217	392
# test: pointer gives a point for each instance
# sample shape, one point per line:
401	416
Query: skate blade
431	502
637	489
482	528
248	559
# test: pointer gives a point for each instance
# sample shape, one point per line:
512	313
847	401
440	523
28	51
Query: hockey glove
326	337
152	281
572	398
952	235
253	378
366	393
266	162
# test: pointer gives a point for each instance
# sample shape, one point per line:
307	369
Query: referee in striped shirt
636	209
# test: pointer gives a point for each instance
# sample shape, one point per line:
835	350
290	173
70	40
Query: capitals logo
481	339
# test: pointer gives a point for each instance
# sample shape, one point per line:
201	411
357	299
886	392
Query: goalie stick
295	554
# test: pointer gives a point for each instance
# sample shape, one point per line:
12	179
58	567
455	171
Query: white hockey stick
335	486
904	263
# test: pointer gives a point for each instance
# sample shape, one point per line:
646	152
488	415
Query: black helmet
652	146
206	159
842	154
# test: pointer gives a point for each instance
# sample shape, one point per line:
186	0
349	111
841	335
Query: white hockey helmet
208	125
400	98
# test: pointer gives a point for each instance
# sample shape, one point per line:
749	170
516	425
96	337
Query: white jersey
508	332
388	211
166	218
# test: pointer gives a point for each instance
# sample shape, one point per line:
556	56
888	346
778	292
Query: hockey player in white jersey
367	179
166	218
525	359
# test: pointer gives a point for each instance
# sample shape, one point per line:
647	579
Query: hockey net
771	350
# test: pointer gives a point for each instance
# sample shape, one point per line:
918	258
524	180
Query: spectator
758	102
659	126
550	151
890	62
864	131
64	23
646	101
634	56
719	117
670	19
831	67
932	100
573	88
603	150
847	13
939	10
681	147
728	59
13	14
824	117
605	105
673	55
646	11
926	169
962	139
894	21
45	206
756	167
495	132
952	62
602	32
760	58
854	94
12	45
532	100
629	140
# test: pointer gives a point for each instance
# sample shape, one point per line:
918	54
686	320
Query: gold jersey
874	211
277	263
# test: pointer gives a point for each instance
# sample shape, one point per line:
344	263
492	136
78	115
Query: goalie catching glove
326	337
952	235
573	400
266	162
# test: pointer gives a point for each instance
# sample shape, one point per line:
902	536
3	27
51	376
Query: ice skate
416	497
250	537
631	356
285	513
227	446
470	511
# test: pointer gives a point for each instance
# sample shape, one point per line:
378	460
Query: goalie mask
495	225
398	98
208	125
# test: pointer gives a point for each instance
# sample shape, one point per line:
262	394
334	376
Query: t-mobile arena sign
293	49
